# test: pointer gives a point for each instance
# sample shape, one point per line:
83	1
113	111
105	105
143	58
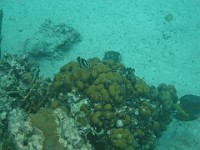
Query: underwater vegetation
102	106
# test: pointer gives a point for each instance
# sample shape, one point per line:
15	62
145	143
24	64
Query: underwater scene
99	75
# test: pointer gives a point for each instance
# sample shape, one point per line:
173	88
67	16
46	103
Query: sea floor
180	136
160	39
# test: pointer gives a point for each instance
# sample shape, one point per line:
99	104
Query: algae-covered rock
112	55
45	130
20	133
51	41
60	131
45	120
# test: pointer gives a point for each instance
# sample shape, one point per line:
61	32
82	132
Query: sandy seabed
160	51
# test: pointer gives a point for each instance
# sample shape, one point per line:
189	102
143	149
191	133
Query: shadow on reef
101	106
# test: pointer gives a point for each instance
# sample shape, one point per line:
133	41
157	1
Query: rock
52	41
112	55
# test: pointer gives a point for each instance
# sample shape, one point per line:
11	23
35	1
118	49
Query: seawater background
160	51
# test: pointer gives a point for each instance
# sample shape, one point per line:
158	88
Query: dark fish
83	63
191	105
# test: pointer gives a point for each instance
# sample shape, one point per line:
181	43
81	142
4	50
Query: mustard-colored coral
127	120
108	115
141	88
71	77
144	111
98	93
156	125
119	103
122	139
98	106
108	107
98	69
96	119
139	133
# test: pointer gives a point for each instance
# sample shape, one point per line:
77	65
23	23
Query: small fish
83	63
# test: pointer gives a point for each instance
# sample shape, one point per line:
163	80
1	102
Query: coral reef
118	102
20	87
20	80
21	134
60	132
104	104
45	130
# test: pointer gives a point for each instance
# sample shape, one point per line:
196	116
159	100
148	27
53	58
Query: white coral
21	130
68	132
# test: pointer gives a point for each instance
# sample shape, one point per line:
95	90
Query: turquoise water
138	30
159	39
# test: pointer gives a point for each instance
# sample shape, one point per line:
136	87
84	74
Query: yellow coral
114	94
139	133
121	144
108	115
68	79
108	107
84	75
127	120
141	87
122	138
144	111
58	78
156	125
76	73
93	93
96	119
98	69
80	85
97	93
98	106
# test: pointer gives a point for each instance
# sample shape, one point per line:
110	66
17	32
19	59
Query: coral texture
102	106
118	102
